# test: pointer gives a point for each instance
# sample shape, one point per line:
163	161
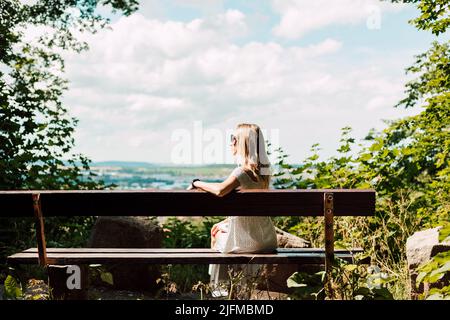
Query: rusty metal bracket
328	205
40	233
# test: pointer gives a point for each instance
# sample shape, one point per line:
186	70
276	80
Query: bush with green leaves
407	163
13	288
189	233
36	129
348	281
437	269
433	271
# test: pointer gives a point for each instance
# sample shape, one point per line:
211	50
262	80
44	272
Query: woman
241	233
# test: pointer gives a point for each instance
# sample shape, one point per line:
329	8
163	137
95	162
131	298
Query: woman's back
245	181
247	233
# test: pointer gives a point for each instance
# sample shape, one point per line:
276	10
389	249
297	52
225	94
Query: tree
434	15
36	131
413	152
407	163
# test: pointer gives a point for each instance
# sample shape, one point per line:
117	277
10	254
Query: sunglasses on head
233	138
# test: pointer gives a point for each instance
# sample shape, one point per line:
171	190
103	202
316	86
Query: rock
129	232
275	275
420	248
287	240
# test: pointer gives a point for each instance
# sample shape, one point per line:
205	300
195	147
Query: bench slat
281	257
352	202
174	250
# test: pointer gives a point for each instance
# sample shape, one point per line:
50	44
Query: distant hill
137	164
128	164
132	164
140	164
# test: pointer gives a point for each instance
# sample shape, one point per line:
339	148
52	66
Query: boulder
129	232
275	275
420	248
287	240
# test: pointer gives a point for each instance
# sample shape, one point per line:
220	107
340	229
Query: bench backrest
327	203
187	203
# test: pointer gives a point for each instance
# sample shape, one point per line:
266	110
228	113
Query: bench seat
75	256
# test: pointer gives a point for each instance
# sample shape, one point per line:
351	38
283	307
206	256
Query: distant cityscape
142	175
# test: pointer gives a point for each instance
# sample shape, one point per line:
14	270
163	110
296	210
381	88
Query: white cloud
299	17
148	77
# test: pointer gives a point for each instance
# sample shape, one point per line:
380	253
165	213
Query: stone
275	275
287	240
420	248
129	232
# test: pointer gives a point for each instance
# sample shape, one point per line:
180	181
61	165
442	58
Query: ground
38	290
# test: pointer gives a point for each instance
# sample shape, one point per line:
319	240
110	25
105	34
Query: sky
170	82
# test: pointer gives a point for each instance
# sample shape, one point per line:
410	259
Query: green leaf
107	277
351	267
420	278
444	233
376	146
13	289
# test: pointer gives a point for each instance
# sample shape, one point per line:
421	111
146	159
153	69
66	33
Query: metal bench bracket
40	234
329	235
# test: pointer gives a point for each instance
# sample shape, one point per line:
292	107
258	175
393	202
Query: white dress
250	234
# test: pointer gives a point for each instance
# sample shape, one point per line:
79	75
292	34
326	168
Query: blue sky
300	69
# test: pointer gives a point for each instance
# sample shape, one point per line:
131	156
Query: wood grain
62	258
174	250
186	203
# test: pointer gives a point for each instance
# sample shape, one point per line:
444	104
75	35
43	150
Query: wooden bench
327	203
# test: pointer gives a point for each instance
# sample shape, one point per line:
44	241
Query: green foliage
437	269
100	275
402	207
307	286
434	15
187	234
36	131
107	277
431	272
359	282
349	281
407	164
444	233
13	288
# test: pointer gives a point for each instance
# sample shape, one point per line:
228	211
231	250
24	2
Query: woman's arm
219	189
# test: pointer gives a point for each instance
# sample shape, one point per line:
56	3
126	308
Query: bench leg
329	241
68	282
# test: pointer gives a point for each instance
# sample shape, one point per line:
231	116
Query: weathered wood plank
352	202
173	258
174	250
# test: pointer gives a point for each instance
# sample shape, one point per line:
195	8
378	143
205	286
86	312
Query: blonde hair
251	152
